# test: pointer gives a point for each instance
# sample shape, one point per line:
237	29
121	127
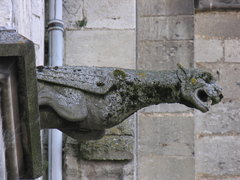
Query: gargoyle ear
181	73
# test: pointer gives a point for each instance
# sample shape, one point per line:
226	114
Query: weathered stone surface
232	50
219	25
101	48
108	148
71	164
227	75
166	108
106	170
218	178
208	50
72	13
169	135
125	128
113	14
163	7
164	55
218	155
156	167
222	119
217	4
165	28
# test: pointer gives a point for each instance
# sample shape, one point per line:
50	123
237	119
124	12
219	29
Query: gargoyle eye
207	77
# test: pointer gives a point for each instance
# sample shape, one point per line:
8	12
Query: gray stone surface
124	128
110	147
217	4
208	50
218	155
168	135
165	7
219	25
113	14
161	55
166	108
106	170
222	119
165	28
232	50
156	167
227	75
72	13
114	48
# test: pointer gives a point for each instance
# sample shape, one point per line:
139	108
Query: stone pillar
19	106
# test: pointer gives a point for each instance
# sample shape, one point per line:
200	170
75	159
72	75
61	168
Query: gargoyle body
84	101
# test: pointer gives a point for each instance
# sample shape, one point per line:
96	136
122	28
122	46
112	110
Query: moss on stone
119	73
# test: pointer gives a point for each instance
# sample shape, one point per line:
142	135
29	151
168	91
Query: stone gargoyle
83	101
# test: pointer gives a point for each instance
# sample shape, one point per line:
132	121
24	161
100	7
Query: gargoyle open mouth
205	99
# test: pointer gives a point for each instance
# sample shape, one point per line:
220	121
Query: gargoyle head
198	89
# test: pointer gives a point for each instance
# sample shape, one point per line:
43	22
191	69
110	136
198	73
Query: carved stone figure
84	101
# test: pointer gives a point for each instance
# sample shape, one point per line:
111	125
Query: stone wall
101	33
217	133
165	133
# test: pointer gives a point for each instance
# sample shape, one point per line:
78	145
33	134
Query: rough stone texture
222	119
106	170
108	148
165	7
126	128
228	77
155	167
101	48
71	159
167	134
113	14
220	25
161	55
218	155
232	50
217	4
165	28
208	50
72	13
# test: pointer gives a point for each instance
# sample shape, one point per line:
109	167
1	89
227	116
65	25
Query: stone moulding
204	5
18	79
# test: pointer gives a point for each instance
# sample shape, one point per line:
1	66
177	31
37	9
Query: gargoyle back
91	79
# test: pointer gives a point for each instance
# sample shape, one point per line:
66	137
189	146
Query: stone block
218	156
164	55
125	128
166	108
227	75
223	118
163	7
168	135
165	28
208	50
113	14
106	170
165	168
72	13
232	50
108	148
220	25
114	48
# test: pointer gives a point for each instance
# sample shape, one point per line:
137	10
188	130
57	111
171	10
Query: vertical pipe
55	30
